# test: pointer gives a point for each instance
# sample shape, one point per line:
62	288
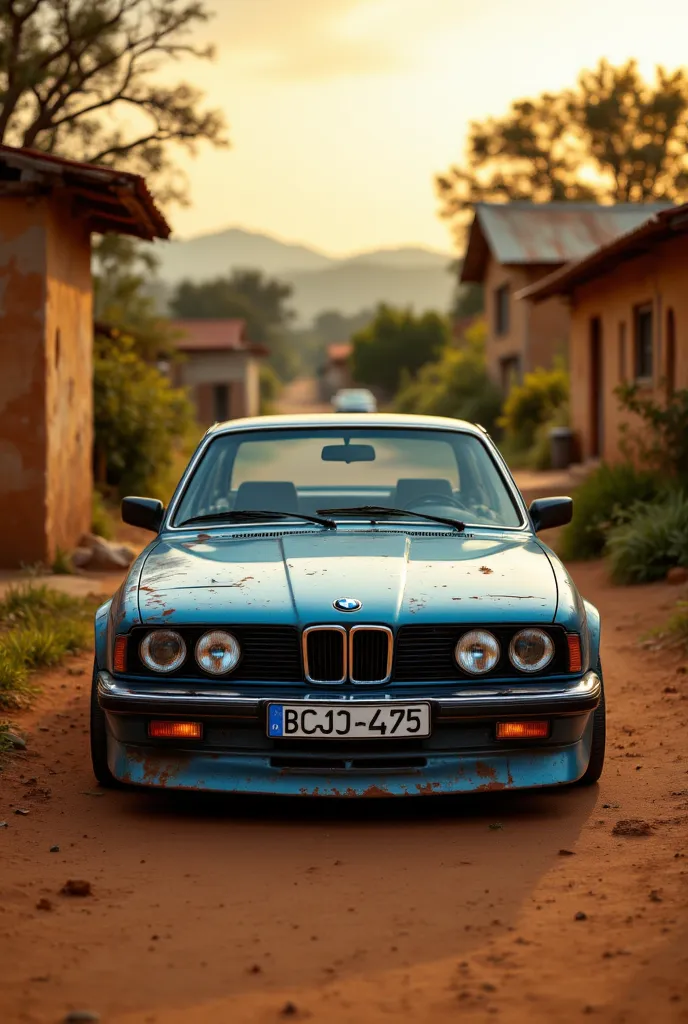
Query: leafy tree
247	294
122	298
457	385
612	138
77	78
396	341
331	326
250	296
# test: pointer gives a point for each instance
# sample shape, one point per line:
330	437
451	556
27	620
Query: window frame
502	309
642	310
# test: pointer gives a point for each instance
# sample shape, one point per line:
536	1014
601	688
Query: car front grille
370	658
359	655
425	654
325	654
268	654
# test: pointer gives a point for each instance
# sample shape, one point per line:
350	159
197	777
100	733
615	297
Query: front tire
99	758
599	741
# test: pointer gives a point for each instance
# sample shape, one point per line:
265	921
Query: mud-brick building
49	207
628	303
513	245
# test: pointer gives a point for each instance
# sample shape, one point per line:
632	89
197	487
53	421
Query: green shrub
270	388
661	442
457	385
602	501
536	403
140	419
101	520
653	539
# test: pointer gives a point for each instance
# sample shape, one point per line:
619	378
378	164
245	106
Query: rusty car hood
399	578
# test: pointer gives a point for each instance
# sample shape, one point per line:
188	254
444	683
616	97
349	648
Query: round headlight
477	652
218	652
163	650
531	650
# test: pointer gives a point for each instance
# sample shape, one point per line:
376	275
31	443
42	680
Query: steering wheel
435	498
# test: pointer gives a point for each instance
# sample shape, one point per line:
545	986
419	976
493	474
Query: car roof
339	420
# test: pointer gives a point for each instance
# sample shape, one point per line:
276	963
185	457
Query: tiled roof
225	335
109	200
339	351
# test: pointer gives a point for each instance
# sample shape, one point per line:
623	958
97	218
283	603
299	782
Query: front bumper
461	755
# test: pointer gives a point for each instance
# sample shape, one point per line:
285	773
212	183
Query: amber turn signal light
175	730
120	656
575	657
522	730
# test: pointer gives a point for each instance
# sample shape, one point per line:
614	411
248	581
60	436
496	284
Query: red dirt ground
510	907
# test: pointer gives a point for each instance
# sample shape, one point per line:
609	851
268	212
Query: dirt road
508	907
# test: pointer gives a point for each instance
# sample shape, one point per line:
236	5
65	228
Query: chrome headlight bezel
149	661
546	658
233	648
477	636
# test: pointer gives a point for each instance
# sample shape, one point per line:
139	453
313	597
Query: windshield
442	473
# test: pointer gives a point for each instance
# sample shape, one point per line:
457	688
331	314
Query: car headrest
410	489
275	496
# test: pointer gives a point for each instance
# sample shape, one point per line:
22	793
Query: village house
513	245
48	209
628	304
335	372
220	368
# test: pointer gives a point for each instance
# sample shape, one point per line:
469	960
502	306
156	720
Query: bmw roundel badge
347	604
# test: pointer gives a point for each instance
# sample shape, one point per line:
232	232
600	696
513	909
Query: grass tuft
39	627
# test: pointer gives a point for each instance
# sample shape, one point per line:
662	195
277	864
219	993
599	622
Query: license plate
359	721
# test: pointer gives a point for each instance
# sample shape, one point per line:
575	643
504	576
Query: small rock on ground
632	827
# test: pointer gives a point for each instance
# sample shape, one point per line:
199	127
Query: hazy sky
341	111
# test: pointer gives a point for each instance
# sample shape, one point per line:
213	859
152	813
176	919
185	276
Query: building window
220	402
643	342
622	352
501	310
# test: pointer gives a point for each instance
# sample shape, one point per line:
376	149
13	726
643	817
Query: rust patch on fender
170	611
427	788
486	570
485	771
490	787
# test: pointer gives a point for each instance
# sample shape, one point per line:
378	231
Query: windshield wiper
374	512
257	515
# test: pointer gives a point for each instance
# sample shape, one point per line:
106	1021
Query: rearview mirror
146	513
348	453
549	512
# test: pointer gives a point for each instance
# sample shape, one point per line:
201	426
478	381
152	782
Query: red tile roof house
512	245
48	209
335	372
220	368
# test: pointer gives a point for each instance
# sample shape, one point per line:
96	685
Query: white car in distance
354	400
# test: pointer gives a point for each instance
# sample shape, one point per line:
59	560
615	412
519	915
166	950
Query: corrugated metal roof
666	223
546	233
225	335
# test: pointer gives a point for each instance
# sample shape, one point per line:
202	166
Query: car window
463	481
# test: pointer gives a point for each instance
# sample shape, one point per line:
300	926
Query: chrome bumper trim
576	697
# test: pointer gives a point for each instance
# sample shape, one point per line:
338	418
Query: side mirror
549	512
145	513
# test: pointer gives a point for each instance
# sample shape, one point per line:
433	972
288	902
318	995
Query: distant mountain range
406	276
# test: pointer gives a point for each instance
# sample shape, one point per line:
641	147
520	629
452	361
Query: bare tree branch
64	64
